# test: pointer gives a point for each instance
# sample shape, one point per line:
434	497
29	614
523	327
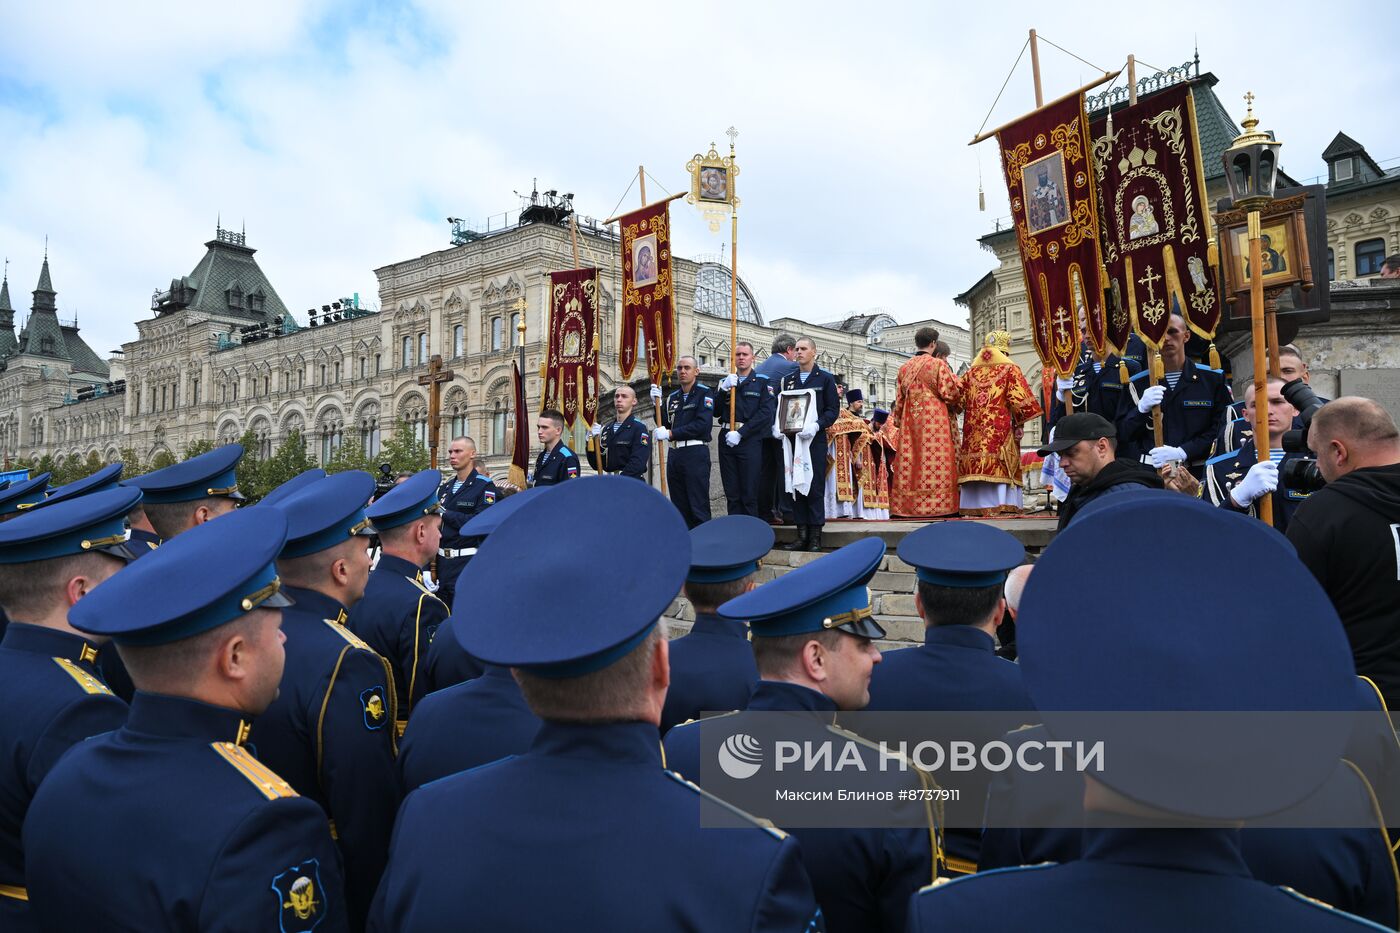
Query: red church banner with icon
1155	225
648	291
571	360
1049	178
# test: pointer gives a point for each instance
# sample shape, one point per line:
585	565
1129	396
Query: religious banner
571	356
1045	156
520	448
647	291
1156	228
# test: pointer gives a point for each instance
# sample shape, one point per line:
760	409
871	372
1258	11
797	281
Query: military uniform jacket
465	726
863	877
1192	414
555	466
1147	881
712	669
143	542
1352	869
691	415
1099	391
398	617
626	448
828	402
755	408
170	824
330	734
1231	459
56	699
459	507
588	811
448	661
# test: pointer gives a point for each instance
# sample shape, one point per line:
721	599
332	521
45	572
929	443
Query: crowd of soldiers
426	709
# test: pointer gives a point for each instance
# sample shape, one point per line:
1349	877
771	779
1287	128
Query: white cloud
343	135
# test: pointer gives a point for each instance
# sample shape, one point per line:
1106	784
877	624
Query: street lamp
1251	171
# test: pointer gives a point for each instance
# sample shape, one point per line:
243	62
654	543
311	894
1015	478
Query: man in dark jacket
1348	533
1087	444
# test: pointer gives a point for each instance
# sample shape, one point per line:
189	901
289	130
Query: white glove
661	434
1161	456
1151	396
732	438
777	433
1063	385
595	430
729	381
655	393
807	434
1261	479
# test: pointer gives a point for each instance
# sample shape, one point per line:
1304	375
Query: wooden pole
1132	81
667	200
1271	334
642	180
1035	71
1108	76
657	377
733	308
1261	364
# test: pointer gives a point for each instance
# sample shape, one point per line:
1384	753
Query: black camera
1301	474
385	480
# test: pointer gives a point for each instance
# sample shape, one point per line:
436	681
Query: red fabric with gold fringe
571	360
648	292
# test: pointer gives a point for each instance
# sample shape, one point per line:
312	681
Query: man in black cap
1087	444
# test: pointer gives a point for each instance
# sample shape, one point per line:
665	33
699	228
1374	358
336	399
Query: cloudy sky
343	134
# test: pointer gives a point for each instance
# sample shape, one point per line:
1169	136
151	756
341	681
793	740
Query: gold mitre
999	339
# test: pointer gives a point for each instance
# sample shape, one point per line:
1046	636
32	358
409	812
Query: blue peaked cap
962	554
214	473
407	502
105	478
195	582
325	513
491	518
81	525
517	619
293	486
24	495
728	548
828	593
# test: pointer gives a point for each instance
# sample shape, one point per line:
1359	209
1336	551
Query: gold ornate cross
1150	280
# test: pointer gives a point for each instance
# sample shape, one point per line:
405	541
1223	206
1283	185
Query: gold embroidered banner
571	358
647	291
1045	157
1156	228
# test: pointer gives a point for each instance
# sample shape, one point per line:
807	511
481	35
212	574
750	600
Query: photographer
1348	533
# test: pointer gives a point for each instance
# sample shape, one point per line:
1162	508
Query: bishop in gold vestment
996	403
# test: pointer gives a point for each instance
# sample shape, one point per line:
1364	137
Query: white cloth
979	494
854	509
1054	475
797	452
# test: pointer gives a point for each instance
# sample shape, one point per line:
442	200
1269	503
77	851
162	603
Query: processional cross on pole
433	380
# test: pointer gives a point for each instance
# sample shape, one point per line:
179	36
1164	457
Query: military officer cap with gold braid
831	592
24	495
211	474
325	513
95	523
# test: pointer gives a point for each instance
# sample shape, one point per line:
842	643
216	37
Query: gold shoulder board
758	822
89	683
258	774
346	634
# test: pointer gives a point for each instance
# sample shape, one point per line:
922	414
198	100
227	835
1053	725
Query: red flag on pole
520	453
647	291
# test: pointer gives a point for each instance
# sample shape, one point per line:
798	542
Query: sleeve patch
267	781
489	496
300	902
376	708
709	402
89	683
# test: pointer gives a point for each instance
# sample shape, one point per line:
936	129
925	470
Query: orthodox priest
925	483
997	403
851	477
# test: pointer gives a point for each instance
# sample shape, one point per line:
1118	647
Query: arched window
499	417
497	333
459	340
369	431
407	352
514	335
422	349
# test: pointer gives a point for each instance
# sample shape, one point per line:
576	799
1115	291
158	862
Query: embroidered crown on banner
1136	159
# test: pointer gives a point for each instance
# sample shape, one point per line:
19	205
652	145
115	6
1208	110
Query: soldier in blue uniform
170	822
689	421
18	498
1096	386
712	668
1236	480
192	492
809	511
961	568
741	450
1185	872
1195	402
589	806
330	732
49	559
398	616
463	497
814	641
448	663
556	463
625	441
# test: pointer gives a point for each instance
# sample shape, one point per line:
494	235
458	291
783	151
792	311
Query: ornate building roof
8	343
43	334
226	281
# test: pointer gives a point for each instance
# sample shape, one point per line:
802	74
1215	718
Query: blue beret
728	548
25	494
105	478
407	502
962	554
95	522
327	512
293	486
1262	637
214	473
517	618
828	593
488	520
196	581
